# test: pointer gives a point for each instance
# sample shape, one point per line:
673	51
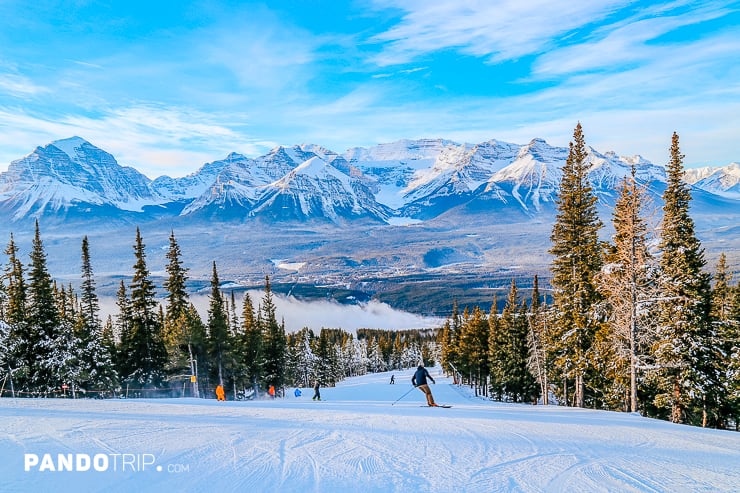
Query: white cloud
20	86
501	30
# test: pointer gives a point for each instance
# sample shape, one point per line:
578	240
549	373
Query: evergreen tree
250	344
303	359
274	342
143	354
15	287
722	291
177	297
683	350
69	367
495	342
577	260
45	351
513	378
218	329
731	336
326	368
96	366
473	350
14	315
726	319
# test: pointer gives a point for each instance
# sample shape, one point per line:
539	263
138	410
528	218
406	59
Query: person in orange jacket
271	391
220	393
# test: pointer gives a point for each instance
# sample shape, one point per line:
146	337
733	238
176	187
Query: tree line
53	341
635	324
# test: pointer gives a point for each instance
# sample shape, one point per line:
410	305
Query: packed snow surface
356	439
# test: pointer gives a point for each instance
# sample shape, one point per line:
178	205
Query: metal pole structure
404	395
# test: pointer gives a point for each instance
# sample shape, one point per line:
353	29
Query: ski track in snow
357	441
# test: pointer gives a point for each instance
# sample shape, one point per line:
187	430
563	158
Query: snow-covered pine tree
577	258
326	369
375	361
67	365
95	359
301	358
684	350
273	341
143	356
43	350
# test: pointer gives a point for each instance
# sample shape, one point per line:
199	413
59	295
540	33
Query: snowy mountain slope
356	439
395	164
723	181
72	173
194	184
317	190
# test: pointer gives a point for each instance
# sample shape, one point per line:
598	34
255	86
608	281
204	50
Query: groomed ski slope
354	441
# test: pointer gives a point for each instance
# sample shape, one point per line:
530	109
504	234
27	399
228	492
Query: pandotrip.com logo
100	462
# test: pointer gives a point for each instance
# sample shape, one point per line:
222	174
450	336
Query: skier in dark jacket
419	380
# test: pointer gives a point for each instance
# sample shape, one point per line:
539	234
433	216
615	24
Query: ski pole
404	395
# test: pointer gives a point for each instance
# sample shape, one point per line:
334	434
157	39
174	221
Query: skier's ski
446	406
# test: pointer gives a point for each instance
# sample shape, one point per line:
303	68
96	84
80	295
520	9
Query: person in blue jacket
419	380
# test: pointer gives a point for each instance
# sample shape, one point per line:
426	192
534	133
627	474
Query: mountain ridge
409	179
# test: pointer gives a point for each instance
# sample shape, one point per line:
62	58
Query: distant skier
271	391
393	379
419	380
297	392
220	395
316	393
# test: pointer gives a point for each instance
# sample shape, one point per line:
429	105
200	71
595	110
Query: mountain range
389	183
310	214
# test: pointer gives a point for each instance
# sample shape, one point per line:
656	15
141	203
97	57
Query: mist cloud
314	314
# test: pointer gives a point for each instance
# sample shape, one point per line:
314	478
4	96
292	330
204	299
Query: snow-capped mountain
72	175
416	179
723	181
317	190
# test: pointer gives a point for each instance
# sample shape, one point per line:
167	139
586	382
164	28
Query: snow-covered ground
354	440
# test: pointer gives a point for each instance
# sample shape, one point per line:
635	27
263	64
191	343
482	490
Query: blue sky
166	86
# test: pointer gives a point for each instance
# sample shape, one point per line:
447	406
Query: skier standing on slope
419	380
316	392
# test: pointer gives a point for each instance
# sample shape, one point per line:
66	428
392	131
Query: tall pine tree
144	356
97	371
684	349
45	349
577	259
219	342
274	342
